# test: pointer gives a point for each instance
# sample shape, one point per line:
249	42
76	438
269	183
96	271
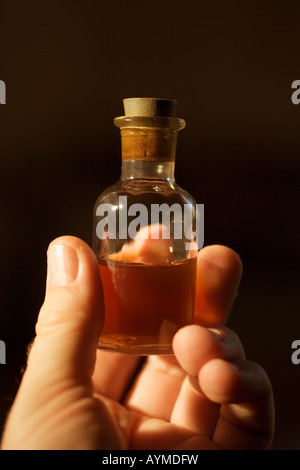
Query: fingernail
218	333
62	265
236	366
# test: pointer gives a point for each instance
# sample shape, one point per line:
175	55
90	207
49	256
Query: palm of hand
158	409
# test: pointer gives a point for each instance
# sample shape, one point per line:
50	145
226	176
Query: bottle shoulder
139	189
185	194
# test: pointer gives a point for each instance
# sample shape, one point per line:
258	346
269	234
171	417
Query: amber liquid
146	304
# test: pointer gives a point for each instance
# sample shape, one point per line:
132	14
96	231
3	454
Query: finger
194	346
55	401
71	317
114	373
247	413
156	387
219	273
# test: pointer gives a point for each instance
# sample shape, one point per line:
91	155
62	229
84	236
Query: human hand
73	396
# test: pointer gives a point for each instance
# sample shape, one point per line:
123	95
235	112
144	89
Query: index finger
219	272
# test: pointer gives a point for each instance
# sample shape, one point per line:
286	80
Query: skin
74	396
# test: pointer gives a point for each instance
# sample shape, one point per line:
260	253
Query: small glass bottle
145	236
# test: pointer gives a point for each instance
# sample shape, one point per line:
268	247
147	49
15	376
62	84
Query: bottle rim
172	123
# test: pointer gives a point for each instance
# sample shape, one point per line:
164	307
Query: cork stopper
149	129
150	107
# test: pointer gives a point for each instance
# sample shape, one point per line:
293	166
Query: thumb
72	315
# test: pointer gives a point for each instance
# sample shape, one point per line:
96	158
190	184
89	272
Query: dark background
67	66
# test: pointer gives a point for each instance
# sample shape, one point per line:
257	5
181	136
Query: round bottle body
144	239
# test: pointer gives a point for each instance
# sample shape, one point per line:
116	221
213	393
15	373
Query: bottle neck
148	153
148	146
158	170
